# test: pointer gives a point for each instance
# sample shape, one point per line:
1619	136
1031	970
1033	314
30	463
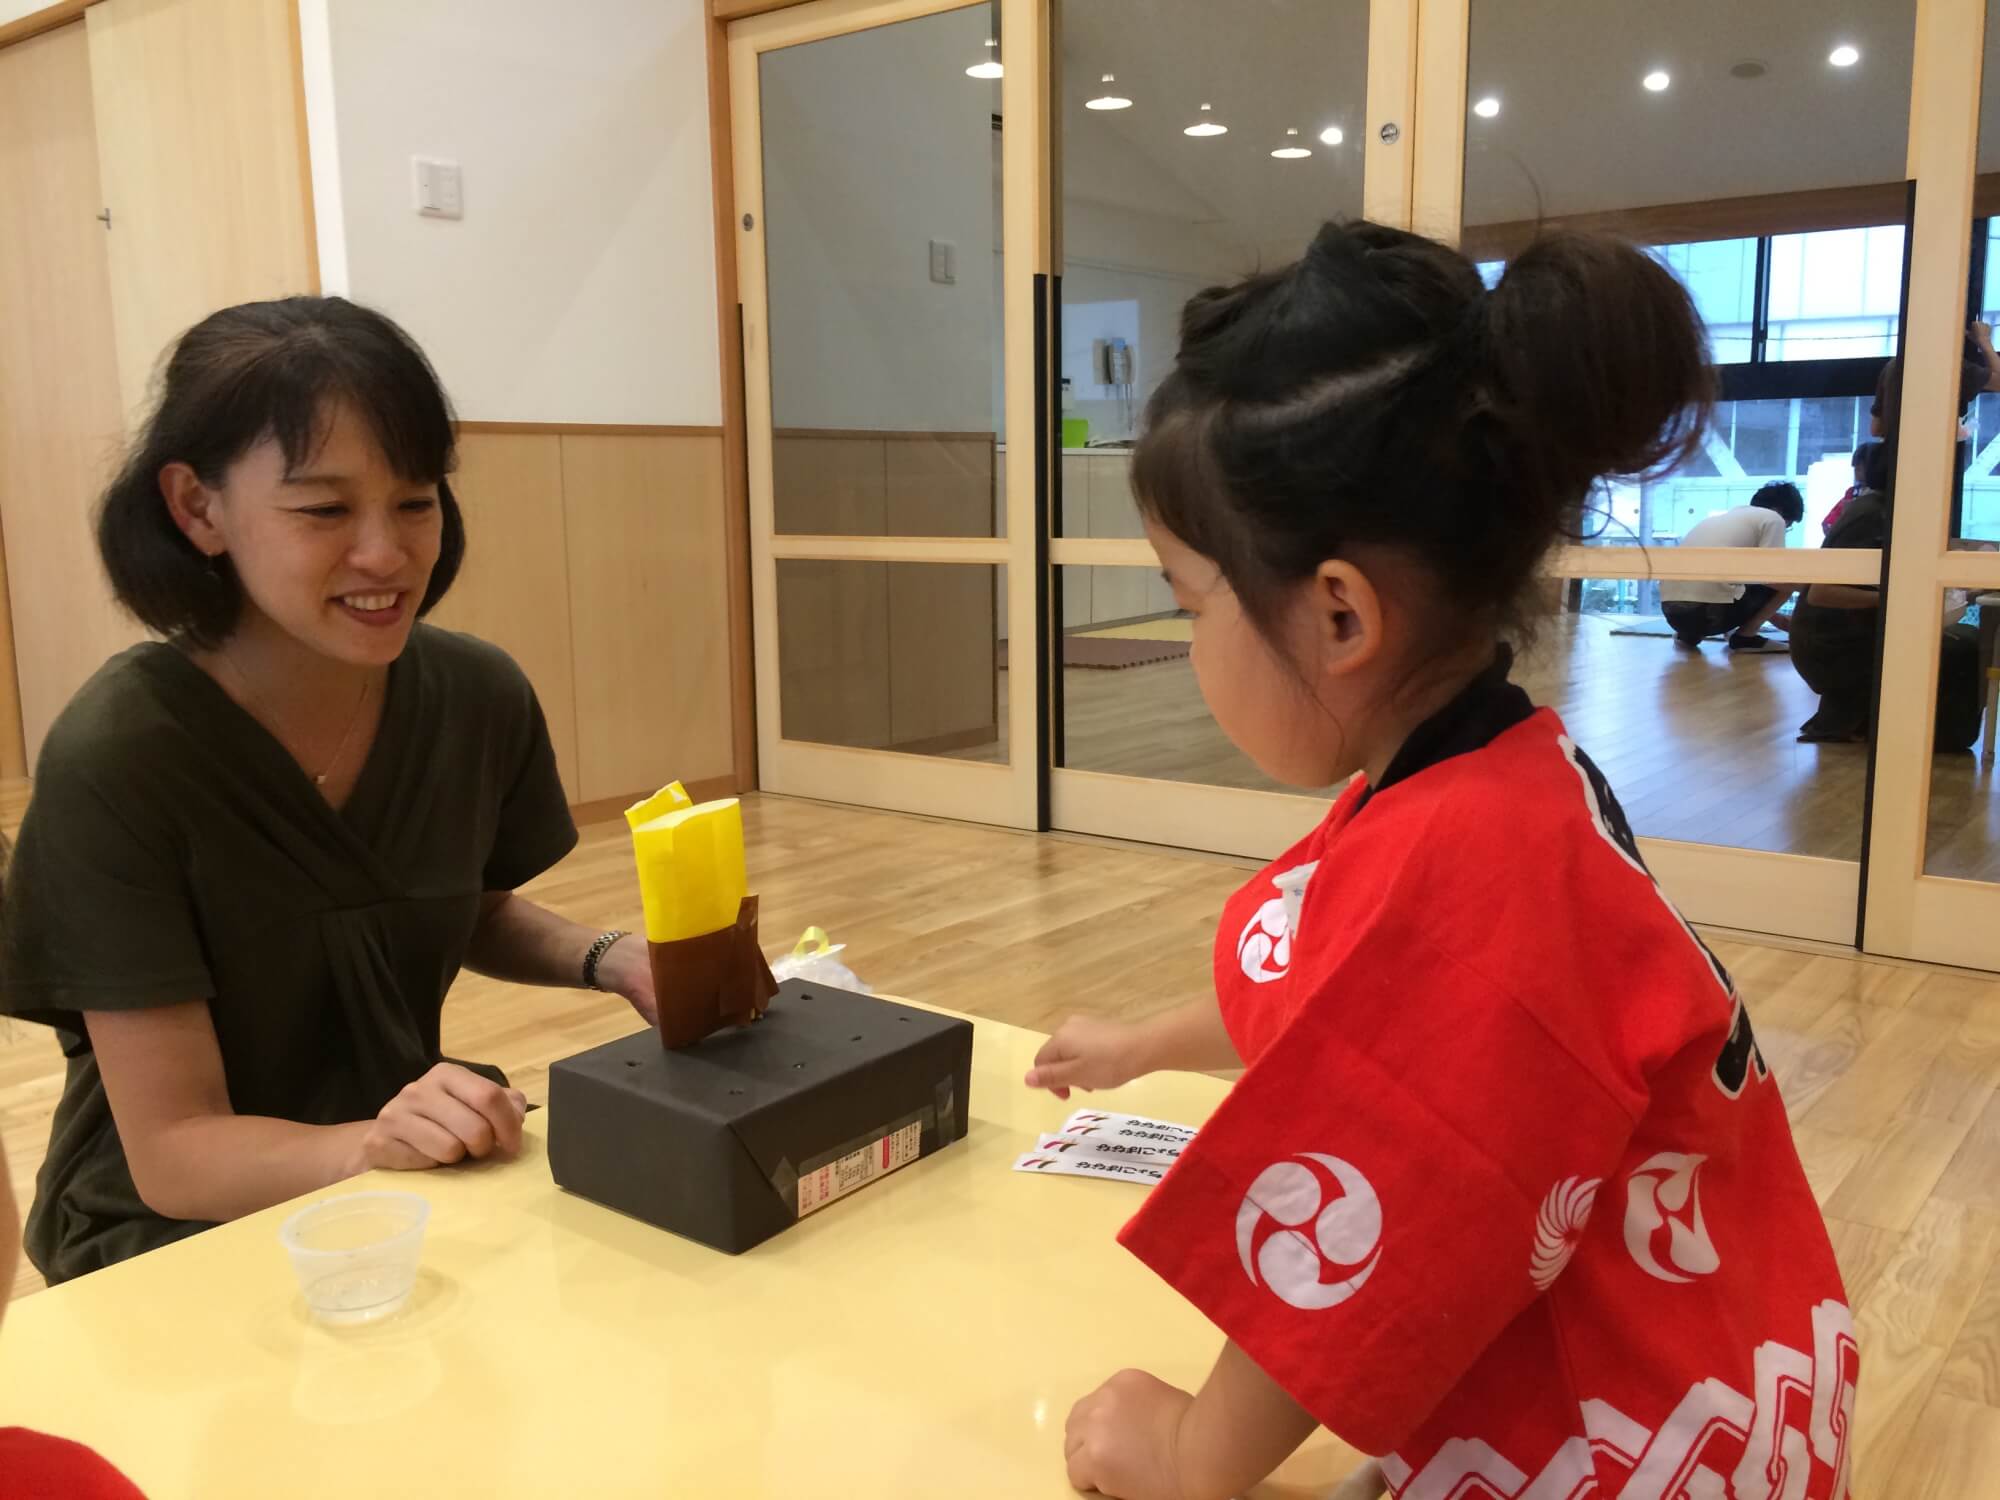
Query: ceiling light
1844	56
1487	108
990	68
1331	136
1750	67
1657	81
1291	150
1206	126
1107	99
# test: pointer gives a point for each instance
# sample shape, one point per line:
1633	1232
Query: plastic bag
817	958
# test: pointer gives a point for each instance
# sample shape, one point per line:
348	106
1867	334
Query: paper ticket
1059	1164
1098	1125
1113	1150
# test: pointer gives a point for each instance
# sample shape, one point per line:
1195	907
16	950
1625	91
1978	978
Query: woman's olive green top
174	851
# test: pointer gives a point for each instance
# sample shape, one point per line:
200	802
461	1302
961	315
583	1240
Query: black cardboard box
751	1129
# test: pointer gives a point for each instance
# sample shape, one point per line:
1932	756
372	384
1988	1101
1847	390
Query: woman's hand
1087	1053
445	1116
627	969
1123	1438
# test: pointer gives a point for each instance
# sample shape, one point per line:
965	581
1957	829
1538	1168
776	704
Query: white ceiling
1576	132
1265	65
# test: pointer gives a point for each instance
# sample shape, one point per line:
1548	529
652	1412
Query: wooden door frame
1906	913
1911	914
1004	794
1224	819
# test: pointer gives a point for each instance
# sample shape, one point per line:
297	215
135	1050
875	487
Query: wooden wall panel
515	589
60	413
198	143
649	623
833	652
939	488
942	681
827	486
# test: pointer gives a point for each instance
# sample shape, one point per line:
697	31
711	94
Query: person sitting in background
1863	456
1835	625
1834	631
1697	611
1978	370
262	846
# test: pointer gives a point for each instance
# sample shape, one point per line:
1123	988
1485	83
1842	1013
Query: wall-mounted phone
1113	362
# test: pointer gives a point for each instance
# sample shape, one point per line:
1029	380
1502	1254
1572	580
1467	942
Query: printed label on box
1055	1163
858	1168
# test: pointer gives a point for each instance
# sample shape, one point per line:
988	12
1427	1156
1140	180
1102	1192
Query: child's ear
1347	613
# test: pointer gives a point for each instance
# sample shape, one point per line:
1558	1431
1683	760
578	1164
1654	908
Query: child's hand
1121	1438
1087	1054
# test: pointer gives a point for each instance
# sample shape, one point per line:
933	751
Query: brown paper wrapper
705	983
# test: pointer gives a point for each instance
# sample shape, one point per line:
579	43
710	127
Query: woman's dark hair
242	375
1783	498
1375	394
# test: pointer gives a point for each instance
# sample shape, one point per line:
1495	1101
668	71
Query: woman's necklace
263	710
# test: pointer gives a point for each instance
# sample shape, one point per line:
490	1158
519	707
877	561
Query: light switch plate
944	262
440	188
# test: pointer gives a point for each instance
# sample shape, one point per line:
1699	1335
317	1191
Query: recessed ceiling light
990	68
1108	99
1331	136
1206	126
1844	56
1487	108
1750	67
1657	81
1291	150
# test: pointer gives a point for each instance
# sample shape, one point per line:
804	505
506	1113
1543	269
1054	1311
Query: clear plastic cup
356	1256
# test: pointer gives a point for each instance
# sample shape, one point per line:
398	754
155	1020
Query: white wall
13	10
580	285
875	145
1114	254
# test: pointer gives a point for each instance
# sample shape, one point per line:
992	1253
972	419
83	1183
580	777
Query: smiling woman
261	848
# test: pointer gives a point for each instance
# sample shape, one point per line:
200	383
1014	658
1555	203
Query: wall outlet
440	188
944	262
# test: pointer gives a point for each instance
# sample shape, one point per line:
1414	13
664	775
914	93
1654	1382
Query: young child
1506	1195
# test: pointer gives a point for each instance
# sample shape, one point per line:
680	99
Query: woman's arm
523	943
1138	1438
193	1157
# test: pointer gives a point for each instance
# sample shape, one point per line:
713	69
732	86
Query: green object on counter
1076	432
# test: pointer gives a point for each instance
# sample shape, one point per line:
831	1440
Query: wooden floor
1891	1071
1699	746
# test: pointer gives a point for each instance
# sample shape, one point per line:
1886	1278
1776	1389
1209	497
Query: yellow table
923	1337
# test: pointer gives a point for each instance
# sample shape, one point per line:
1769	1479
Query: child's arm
1138	1438
1087	1053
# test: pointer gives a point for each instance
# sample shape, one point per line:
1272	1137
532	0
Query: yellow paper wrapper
692	879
